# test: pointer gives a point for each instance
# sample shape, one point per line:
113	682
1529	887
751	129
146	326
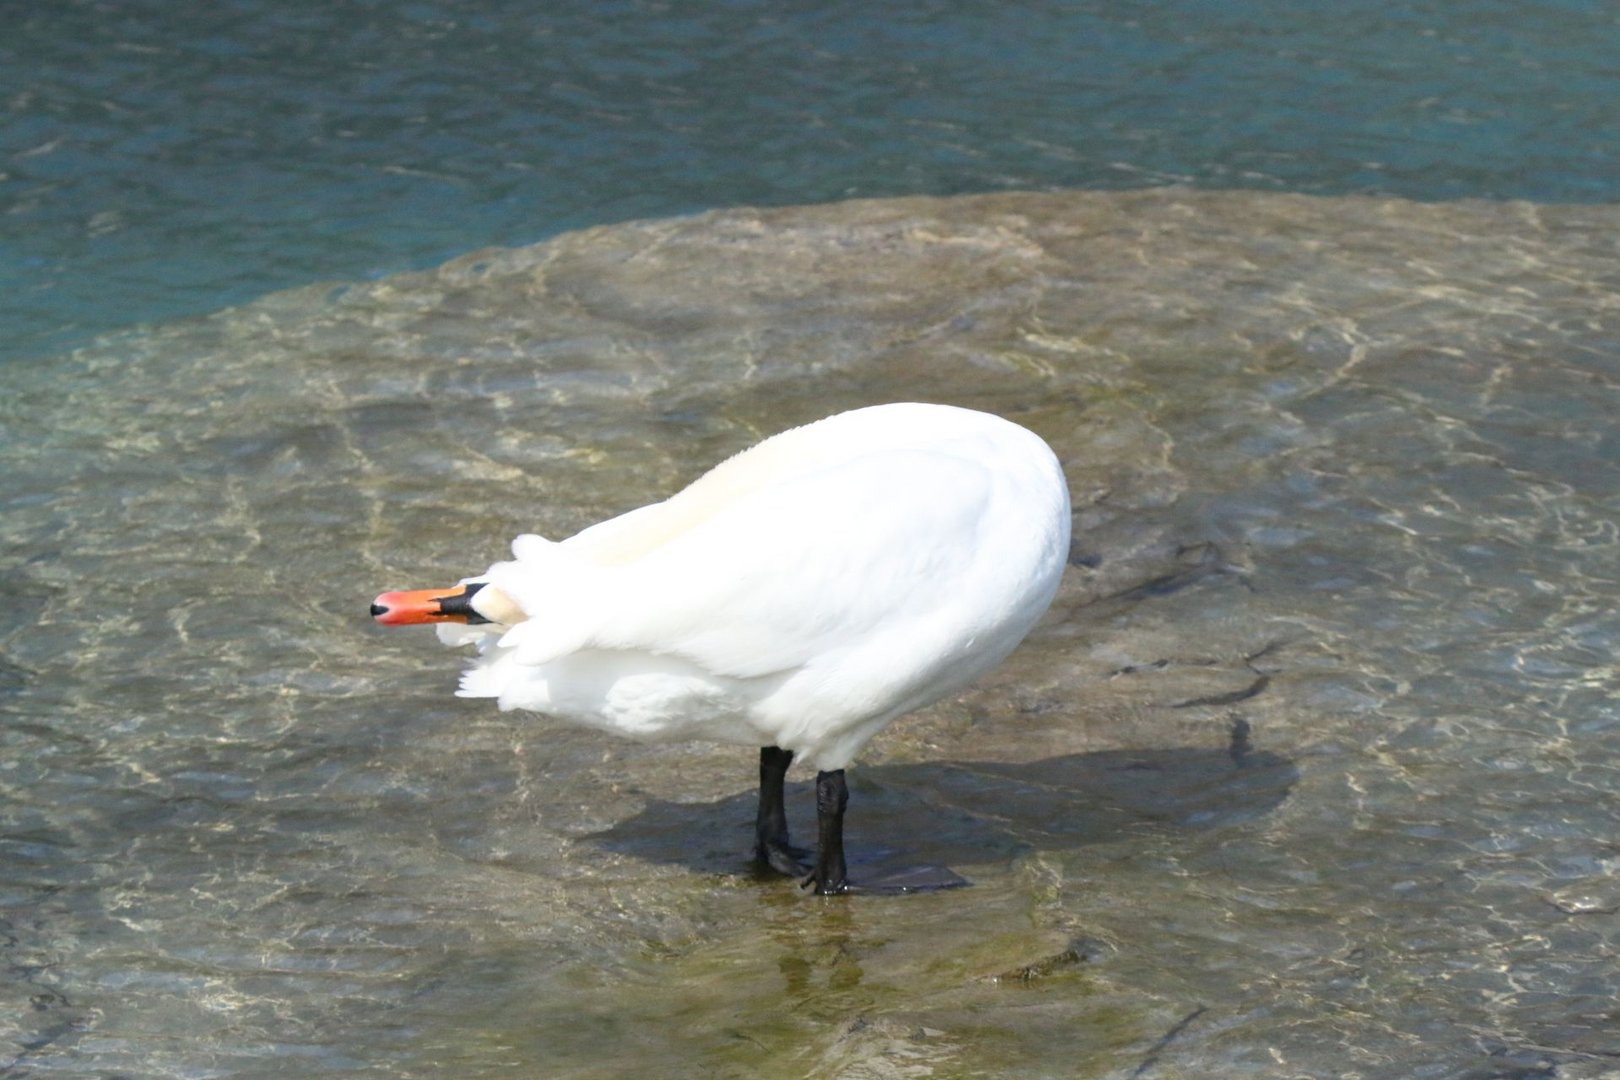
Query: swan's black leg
829	876
771	845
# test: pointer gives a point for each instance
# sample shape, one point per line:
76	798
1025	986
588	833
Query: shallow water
1308	773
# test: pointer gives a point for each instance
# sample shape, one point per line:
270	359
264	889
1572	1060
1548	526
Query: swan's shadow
963	813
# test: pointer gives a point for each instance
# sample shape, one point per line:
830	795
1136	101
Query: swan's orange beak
418	606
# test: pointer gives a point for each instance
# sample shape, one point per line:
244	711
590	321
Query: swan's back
825	444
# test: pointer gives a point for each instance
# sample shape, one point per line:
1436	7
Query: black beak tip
378	609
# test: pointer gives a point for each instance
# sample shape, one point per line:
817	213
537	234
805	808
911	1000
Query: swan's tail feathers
563	598
484	680
540	641
531	547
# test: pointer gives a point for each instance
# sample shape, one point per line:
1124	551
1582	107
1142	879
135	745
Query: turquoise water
160	159
1310	772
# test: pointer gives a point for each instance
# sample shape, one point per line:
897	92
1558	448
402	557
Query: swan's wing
806	567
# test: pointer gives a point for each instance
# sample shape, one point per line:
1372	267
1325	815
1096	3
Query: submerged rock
1345	481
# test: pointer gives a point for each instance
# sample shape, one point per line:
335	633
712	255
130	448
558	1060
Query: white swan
798	597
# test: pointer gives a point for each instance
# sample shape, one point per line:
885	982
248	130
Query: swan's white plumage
801	594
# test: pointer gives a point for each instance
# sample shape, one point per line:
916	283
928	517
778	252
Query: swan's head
452	605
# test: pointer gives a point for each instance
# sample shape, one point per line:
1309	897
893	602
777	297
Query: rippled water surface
1310	771
161	159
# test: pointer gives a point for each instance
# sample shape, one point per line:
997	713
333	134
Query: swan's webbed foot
822	883
829	878
783	857
771	845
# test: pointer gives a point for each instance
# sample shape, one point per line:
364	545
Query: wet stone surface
1310	771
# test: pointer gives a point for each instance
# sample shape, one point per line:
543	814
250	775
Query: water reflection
818	950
